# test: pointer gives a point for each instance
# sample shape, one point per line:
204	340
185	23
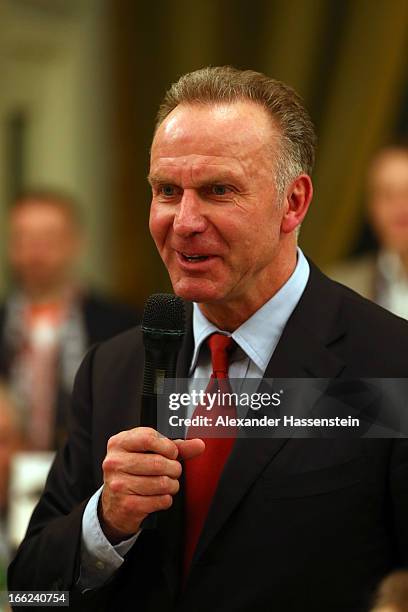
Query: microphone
163	328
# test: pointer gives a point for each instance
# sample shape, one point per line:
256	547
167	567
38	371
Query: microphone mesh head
164	312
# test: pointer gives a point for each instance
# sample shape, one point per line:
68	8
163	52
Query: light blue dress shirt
257	339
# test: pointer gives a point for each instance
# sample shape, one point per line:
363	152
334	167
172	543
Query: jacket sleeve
48	558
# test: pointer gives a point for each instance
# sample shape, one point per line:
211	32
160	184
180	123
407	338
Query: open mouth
194	258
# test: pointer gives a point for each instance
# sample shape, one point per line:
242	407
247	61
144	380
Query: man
230	173
49	319
383	276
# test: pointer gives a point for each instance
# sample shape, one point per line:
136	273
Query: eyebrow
156	179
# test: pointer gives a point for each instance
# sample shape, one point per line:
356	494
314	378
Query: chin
197	290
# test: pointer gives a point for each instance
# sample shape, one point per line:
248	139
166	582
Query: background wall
54	122
347	58
82	79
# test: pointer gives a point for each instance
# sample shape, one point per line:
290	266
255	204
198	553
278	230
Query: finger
152	503
144	439
190	448
144	485
122	512
141	464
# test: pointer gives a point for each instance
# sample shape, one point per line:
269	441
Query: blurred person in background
11	441
49	319
383	276
393	593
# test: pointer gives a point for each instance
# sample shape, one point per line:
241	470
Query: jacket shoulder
105	318
370	340
121	349
374	334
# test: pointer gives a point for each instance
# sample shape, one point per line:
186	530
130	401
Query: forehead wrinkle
195	168
176	160
245	157
222	170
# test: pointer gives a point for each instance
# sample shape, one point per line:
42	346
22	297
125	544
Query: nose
189	218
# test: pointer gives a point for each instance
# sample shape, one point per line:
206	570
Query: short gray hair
225	84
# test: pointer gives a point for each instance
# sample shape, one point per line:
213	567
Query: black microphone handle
160	364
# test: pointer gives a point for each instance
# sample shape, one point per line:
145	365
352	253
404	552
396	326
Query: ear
298	197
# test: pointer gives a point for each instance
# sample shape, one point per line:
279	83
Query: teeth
194	257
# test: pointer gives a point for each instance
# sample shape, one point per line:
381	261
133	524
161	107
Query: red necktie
203	473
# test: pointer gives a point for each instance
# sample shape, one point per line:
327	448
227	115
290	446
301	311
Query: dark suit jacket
296	524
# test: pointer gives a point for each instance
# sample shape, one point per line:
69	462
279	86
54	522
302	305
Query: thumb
189	448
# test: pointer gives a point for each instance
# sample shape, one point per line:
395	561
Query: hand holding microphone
142	468
141	475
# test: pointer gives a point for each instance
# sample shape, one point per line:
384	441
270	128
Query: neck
47	295
231	314
404	261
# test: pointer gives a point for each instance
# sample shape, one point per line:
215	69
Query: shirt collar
390	266
259	335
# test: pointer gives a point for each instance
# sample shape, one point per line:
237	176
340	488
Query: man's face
215	215
43	245
388	199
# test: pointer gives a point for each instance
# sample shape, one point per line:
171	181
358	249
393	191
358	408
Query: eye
219	190
167	190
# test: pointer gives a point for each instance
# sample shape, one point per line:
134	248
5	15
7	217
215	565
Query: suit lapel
302	352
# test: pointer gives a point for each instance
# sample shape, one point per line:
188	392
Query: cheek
159	224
